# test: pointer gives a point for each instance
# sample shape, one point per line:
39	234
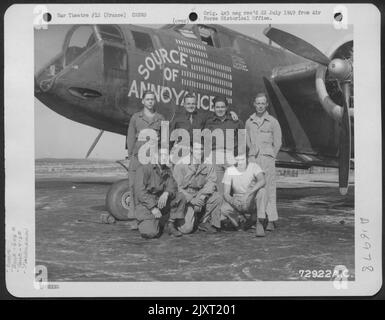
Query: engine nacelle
336	53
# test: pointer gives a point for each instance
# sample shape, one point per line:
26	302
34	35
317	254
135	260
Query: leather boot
172	230
248	224
259	231
207	227
270	226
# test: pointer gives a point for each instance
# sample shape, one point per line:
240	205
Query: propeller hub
340	69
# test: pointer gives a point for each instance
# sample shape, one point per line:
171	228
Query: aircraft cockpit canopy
206	34
82	38
78	41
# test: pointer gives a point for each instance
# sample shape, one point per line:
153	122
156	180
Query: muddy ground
315	232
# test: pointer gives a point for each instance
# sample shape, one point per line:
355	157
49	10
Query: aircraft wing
296	84
296	160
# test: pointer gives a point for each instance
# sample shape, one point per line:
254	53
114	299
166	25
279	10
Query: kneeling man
156	194
197	181
244	192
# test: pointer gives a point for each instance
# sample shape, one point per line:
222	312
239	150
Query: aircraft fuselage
101	83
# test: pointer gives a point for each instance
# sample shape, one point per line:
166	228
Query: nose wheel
118	200
126	198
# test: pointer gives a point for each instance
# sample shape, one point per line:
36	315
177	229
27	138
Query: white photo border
20	145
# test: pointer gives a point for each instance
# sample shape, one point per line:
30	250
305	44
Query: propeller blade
345	142
94	143
296	45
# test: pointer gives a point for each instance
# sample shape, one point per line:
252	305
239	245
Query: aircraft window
82	38
91	41
143	41
207	35
109	32
115	58
187	32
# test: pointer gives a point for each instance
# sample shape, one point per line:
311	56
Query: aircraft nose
46	84
43	81
46	76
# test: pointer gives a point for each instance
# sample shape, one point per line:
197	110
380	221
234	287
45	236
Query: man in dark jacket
224	131
192	118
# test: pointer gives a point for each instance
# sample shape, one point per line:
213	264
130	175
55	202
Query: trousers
210	212
267	163
149	226
255	204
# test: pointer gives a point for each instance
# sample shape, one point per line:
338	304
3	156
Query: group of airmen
192	195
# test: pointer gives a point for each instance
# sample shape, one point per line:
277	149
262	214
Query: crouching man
244	193
156	194
197	181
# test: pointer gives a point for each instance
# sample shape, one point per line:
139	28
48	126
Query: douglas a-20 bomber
99	75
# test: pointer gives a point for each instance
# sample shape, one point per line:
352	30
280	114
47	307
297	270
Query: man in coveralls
156	194
197	181
264	139
147	118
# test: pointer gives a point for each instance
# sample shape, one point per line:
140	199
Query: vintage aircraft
98	77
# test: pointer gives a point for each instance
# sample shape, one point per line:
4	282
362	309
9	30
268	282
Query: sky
59	137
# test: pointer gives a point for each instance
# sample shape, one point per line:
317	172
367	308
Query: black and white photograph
211	149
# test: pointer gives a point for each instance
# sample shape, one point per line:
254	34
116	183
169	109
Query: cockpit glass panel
111	33
82	39
187	32
143	41
207	35
81	36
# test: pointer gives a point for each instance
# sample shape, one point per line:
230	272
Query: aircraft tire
117	200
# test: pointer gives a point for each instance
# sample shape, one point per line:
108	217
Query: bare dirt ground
315	232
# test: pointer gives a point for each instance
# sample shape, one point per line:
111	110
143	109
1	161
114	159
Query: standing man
244	193
147	118
221	122
156	194
192	118
189	118
264	139
197	181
